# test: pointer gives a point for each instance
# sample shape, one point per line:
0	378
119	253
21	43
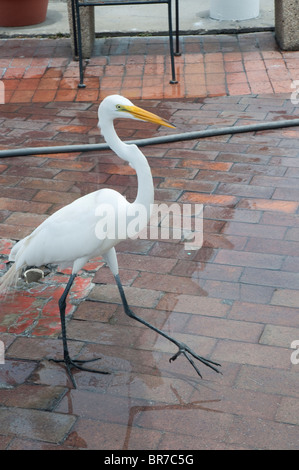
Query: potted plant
22	12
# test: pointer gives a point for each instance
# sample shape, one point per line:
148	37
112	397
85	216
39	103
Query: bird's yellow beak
143	115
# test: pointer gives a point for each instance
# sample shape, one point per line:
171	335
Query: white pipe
234	9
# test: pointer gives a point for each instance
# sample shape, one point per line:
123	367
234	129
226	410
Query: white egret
69	236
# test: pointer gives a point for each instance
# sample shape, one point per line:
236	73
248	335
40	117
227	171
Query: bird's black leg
182	348
69	363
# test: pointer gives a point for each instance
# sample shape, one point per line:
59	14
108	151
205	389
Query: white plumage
69	237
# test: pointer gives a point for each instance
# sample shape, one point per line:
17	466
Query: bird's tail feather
9	279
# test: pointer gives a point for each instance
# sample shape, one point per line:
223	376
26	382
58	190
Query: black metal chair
77	4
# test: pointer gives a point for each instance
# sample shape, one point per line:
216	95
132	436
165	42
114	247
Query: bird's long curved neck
132	154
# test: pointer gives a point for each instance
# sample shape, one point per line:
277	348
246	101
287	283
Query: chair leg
177	29
74	29
173	80
81	70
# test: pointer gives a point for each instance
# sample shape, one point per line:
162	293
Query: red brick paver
235	300
139	68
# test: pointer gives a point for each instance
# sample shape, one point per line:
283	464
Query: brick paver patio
42	70
235	300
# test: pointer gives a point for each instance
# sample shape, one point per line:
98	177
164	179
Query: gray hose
154	140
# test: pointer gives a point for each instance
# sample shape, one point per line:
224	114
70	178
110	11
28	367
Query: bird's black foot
182	348
187	352
77	363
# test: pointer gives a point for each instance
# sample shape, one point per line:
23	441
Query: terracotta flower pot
22	12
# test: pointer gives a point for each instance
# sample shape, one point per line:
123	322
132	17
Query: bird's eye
118	106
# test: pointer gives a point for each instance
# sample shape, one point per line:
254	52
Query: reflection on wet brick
35	424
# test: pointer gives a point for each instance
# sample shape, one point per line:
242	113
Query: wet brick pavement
42	70
235	300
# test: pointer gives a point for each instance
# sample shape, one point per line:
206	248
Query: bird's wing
70	233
